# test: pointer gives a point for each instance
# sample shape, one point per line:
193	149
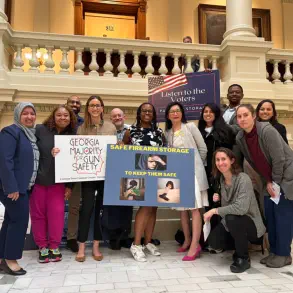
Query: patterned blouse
146	136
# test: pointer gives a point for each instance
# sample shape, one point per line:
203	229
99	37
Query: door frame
136	8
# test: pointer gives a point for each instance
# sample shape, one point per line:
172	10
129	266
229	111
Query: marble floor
118	272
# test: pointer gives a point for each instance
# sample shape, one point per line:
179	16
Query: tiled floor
118	272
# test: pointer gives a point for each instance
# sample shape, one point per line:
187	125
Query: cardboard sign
81	157
149	176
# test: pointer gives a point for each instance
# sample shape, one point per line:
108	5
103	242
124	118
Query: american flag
162	83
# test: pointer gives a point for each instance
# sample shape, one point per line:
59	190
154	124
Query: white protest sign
81	157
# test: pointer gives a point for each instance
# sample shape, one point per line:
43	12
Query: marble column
239	18
3	16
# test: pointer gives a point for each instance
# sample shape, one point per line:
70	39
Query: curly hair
51	124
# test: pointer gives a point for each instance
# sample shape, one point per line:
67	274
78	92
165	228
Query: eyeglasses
175	111
95	106
147	111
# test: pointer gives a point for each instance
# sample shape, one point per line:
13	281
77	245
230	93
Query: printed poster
192	90
149	176
81	157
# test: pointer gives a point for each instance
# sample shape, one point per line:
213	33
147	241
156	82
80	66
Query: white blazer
194	140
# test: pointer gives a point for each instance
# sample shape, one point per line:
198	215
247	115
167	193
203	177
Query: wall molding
287	1
47	108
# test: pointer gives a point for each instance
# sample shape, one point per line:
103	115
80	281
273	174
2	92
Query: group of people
242	162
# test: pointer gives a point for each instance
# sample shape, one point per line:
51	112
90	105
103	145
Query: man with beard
74	103
74	201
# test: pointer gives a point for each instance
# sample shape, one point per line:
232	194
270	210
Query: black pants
90	202
241	230
14	226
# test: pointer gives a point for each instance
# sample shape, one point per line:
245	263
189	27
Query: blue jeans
279	225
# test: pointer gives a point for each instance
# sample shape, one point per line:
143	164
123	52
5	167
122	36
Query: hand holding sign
82	158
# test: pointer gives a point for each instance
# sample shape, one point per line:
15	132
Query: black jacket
45	142
213	142
282	130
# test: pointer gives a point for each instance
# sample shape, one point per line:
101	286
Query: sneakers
279	261
152	249
44	255
137	253
55	255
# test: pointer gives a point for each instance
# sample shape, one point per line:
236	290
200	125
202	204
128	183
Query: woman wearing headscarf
19	159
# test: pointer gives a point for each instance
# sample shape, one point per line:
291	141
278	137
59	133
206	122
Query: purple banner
192	90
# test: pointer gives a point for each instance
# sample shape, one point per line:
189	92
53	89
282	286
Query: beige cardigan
194	140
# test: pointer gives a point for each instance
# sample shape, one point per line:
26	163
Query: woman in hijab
19	160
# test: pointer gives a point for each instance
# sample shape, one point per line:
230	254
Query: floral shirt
146	136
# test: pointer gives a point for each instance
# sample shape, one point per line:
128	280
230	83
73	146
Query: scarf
29	132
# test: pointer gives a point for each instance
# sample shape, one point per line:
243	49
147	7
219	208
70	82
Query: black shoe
72	245
9	271
156	242
240	265
126	243
114	245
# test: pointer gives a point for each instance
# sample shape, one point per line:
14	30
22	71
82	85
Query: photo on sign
168	190
150	162
132	189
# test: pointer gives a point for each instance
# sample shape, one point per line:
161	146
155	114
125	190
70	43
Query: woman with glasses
146	133
181	134
92	191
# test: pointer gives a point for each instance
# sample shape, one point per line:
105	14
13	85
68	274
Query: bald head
74	103
117	117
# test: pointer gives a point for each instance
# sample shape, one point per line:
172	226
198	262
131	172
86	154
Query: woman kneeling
241	218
